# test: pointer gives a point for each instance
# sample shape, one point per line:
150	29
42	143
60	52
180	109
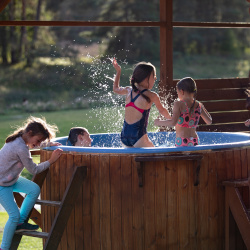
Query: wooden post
166	47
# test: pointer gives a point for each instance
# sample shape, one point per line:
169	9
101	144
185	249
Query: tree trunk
23	30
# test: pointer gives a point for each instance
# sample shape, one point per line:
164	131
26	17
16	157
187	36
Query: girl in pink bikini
186	114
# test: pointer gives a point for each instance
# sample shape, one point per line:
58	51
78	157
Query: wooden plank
192	204
228	117
86	208
227	127
219	83
221	94
160	206
183	209
95	202
116	202
172	204
36	234
203	206
221	171
138	212
63	214
169	157
48	203
149	206
213	200
219	106
244	175
126	201
68	239
105	231
248	172
3	4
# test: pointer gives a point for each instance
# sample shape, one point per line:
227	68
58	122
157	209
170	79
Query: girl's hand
116	65
55	155
247	123
54	143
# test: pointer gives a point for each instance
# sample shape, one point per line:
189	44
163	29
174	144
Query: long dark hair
188	84
142	70
74	132
35	126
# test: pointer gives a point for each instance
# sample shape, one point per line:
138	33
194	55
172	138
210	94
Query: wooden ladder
236	208
65	207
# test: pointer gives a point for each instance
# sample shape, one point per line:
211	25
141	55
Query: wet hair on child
74	132
188	84
34	126
142	70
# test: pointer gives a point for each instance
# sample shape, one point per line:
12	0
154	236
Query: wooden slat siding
116	202
237	166
149	206
182	208
220	94
192	204
95	202
203	205
220	106
77	224
171	190
248	172
86	209
138	212
63	172
234	127
220	83
244	174
213	202
221	170
126	203
229	117
105	202
70	227
160	206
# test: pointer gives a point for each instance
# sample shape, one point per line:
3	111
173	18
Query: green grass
26	242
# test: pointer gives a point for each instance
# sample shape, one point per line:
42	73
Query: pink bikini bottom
186	142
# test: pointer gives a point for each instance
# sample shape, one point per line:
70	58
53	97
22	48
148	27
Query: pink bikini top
188	120
132	102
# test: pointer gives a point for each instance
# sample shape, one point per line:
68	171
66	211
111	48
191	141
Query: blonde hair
37	126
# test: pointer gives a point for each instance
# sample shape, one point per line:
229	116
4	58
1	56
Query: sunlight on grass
63	61
26	242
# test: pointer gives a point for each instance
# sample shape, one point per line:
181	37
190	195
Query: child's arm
205	115
247	123
116	86
174	119
163	111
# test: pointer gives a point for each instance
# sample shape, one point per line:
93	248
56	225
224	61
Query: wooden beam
3	4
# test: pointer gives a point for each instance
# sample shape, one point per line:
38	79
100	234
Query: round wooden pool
148	198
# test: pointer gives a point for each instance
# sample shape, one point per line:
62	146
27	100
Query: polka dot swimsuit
189	120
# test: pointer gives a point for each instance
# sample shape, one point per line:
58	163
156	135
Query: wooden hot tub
152	198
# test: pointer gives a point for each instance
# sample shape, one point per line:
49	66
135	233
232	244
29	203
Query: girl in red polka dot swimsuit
186	114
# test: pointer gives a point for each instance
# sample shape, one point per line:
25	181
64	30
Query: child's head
79	136
187	84
142	71
248	99
34	127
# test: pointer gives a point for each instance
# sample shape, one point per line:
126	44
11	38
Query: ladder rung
48	203
236	183
36	234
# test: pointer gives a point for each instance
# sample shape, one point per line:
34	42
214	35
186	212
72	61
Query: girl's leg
32	190
9	204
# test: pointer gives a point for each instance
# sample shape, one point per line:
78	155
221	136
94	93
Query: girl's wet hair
189	85
74	132
34	126
142	71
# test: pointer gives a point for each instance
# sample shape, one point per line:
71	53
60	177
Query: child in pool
247	122
14	156
79	137
139	99
186	114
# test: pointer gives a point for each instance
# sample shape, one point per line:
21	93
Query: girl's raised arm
205	115
163	111
116	86
173	120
